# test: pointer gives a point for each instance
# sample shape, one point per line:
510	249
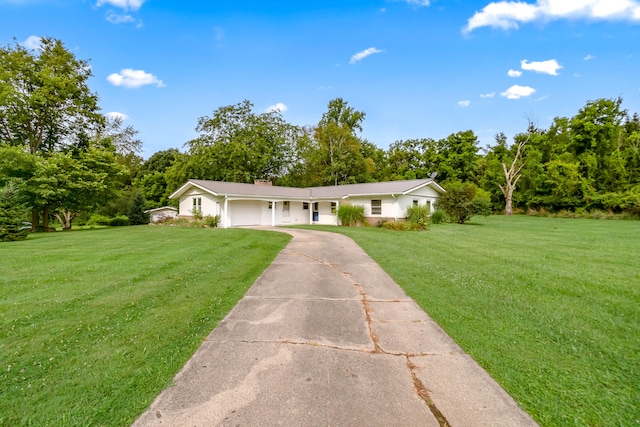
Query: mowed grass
94	324
550	307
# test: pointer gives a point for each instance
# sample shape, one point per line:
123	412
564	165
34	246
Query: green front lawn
95	323
550	307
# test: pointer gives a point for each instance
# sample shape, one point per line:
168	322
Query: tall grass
550	307
94	324
351	214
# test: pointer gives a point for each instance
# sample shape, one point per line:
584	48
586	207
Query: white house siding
208	206
160	214
389	208
297	215
325	217
392	208
249	205
425	194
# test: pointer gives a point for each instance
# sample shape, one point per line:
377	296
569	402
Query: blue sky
417	68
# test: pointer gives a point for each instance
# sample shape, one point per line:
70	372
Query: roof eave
180	191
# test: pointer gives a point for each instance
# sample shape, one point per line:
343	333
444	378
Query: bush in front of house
211	221
395	225
418	217
438	217
351	215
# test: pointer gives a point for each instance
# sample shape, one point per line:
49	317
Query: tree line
61	158
588	161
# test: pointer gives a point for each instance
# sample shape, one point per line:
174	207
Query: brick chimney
263	182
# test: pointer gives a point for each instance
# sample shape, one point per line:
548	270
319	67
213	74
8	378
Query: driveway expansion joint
395	347
425	395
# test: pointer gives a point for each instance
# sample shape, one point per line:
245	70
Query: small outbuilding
261	203
161	214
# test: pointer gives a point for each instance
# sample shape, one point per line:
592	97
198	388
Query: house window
315	206
285	208
429	205
197	204
415	202
333	208
305	206
376	207
270	205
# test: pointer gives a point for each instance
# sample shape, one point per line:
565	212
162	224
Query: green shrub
438	217
395	225
464	200
351	215
97	219
418	213
118	221
212	221
418	217
417	226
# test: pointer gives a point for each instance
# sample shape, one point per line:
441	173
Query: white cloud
514	73
487	95
117	18
545	67
130	78
517	92
32	42
277	107
464	103
502	15
589	57
361	55
419	2
509	14
122	4
219	33
116	115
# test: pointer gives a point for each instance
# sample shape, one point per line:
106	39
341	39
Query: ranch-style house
263	204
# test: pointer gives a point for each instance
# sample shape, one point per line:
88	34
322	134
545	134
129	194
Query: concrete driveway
326	338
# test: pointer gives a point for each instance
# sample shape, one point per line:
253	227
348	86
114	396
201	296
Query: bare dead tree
512	174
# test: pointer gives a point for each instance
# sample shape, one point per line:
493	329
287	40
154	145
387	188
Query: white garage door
245	212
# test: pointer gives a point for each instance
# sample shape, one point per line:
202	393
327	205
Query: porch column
273	213
310	212
337	207
225	218
395	208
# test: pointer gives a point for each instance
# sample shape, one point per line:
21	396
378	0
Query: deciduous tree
238	145
463	200
337	153
45	101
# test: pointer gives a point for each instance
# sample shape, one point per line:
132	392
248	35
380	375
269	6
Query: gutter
395	207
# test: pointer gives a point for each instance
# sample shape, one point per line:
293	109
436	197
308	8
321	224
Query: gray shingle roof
326	192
